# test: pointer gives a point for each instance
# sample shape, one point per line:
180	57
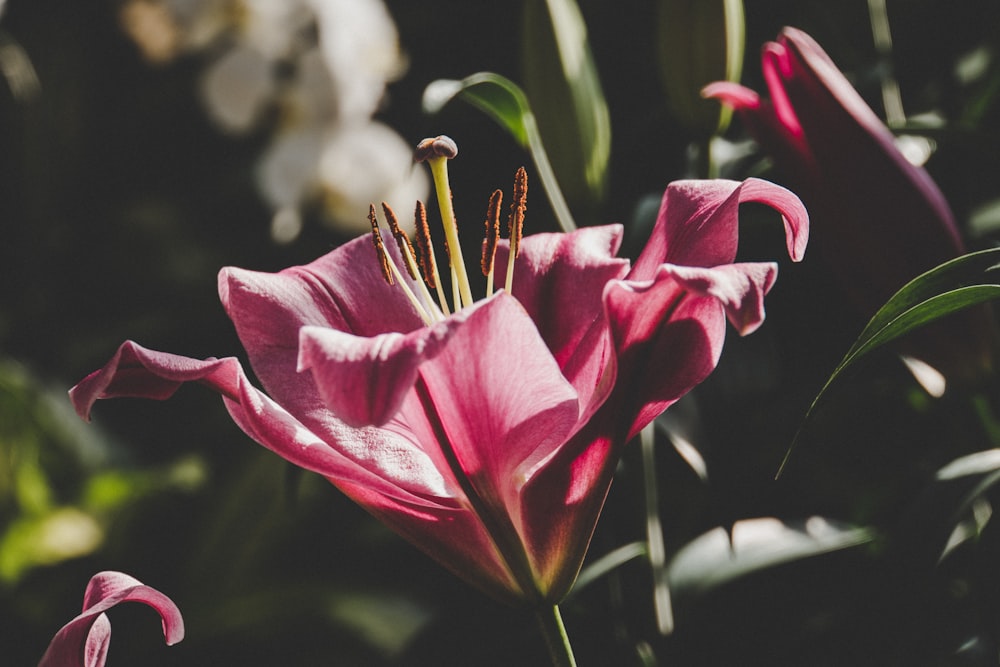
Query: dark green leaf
716	558
503	101
562	81
965	281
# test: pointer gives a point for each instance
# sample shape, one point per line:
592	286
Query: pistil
436	152
421	264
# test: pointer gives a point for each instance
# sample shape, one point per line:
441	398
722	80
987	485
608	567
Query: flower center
421	265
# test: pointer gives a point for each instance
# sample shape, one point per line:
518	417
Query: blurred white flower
369	163
318	70
237	87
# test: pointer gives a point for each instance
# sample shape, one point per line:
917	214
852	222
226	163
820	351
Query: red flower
882	220
487	437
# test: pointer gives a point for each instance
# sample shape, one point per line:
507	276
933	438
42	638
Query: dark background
119	203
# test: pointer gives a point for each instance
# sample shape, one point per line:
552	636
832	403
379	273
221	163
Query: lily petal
559	279
363	380
84	640
505	411
344	453
698	223
341	290
740	288
783	138
669	339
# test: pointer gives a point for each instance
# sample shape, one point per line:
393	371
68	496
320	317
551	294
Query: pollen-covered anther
402	241
426	260
380	246
492	232
515	222
425	247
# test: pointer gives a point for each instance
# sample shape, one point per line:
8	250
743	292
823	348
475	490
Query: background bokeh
121	196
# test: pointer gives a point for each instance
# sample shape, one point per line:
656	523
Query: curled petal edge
84	640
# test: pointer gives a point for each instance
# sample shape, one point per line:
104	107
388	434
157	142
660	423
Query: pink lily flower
487	437
883	220
84	641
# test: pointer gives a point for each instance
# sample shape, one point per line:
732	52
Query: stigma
417	273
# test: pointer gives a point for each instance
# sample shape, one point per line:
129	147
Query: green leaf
715	559
965	281
503	101
944	514
699	43
500	98
562	82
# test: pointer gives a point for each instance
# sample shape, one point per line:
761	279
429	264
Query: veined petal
560	279
740	288
138	372
500	397
364	380
698	223
343	290
387	461
669	338
84	640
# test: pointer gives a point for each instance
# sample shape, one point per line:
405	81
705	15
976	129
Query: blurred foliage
560	77
708	38
120	201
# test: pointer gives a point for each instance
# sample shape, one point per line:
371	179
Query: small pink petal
698	223
84	640
363	380
737	96
142	373
740	288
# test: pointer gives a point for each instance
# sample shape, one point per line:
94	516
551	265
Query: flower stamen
390	270
492	236
409	257
425	255
515	222
402	241
383	257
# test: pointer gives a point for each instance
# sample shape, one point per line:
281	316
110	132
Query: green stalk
555	635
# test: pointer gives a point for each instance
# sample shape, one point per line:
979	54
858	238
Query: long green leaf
561	79
722	556
503	101
963	282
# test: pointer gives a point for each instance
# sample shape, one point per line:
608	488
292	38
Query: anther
425	247
515	222
440	146
379	246
492	236
402	241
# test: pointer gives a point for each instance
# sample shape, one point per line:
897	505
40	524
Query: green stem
548	176
556	638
